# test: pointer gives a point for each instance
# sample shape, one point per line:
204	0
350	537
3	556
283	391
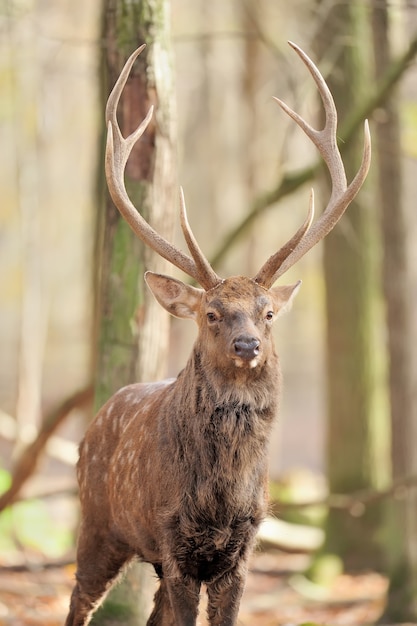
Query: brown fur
175	472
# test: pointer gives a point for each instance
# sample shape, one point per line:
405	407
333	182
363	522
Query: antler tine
341	196
118	150
279	257
113	102
325	140
206	273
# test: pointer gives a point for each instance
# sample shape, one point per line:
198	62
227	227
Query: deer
175	473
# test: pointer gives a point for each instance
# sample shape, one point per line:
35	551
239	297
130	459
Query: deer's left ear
176	297
283	296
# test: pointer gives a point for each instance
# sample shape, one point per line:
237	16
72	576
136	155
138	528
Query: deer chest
206	551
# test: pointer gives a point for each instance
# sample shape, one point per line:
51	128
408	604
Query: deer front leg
162	613
224	598
184	595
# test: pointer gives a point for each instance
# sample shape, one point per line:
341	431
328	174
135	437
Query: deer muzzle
246	349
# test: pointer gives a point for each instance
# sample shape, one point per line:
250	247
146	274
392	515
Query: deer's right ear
176	297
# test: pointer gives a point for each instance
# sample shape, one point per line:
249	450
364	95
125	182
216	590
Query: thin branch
57	448
64	492
355	502
37	567
291	182
28	460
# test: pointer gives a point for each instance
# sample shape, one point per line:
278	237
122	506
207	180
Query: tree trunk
132	329
350	350
402	566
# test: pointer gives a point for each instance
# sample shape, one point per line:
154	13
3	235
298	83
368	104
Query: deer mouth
245	363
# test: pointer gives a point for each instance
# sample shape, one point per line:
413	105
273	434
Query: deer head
251	303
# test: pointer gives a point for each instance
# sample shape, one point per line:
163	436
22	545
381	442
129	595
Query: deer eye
269	316
211	317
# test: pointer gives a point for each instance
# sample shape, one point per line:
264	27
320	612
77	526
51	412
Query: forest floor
276	594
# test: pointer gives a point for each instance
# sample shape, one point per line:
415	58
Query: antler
118	150
342	195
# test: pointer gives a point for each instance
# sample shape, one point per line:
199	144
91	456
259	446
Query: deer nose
246	348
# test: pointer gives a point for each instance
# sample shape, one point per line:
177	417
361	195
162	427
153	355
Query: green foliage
289	492
112	612
324	569
5	480
30	525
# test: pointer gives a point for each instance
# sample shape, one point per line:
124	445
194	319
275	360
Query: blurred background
348	422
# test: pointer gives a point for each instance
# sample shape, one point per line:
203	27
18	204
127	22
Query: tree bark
132	329
401	563
350	346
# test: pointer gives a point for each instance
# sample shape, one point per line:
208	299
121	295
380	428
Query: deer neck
210	388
